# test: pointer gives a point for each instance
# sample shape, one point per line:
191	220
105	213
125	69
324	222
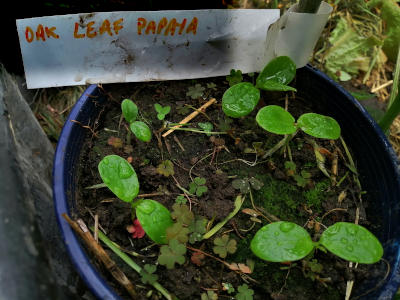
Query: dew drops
125	171
106	161
349	248
344	240
146	207
286	226
276	233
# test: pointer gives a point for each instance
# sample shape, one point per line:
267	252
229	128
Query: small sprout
180	199
136	229
290	167
178	232
155	218
245	184
240	100
166	168
196	91
277	74
234	77
228	287
147	275
210	295
352	242
161	111
255	183
198	186
129	110
141	131
212	86
119	176
197	229
182	214
171	254
115	142
183	110
197	258
207	127
244	293
303	178
224	245
281	242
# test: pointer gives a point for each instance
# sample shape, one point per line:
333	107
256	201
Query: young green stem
279	145
131	263
308	6
390	114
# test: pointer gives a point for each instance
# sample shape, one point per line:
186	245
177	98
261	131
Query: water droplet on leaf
125	171
286	227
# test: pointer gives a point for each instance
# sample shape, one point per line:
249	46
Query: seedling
285	241
171	254
178	232
139	128
197	229
245	184
210	295
224	245
228	287
244	293
234	77
206	126
180	199
120	177
182	214
166	168
241	99
161	111
196	91
198	187
147	274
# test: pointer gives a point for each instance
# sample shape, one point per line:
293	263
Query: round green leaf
155	218
319	126
275	119
129	110
352	242
240	100
277	74
281	241
119	176
141	131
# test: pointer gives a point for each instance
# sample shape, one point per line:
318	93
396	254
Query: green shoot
166	168
139	128
161	111
234	77
224	245
198	186
172	254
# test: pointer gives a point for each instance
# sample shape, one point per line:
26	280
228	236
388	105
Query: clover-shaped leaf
210	295
166	168
224	245
129	110
212	86
141	131
197	229
206	126
228	287
182	214
234	77
180	199
242	185
178	232
161	111
119	176
198	187
147	275
255	183
244	293
195	91
171	254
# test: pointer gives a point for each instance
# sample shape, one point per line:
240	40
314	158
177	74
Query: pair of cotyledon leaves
140	129
240	100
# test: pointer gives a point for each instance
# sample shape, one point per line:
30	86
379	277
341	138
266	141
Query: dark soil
314	206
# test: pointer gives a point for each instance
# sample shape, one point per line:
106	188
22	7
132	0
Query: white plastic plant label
113	47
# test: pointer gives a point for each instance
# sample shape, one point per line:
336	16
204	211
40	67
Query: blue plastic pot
377	163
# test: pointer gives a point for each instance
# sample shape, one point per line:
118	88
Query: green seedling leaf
244	293
240	100
277	74
352	242
155	218
129	110
210	295
319	126
119	176
242	185
300	181
161	111
171	254
182	214
166	168
235	77
275	119
207	127
197	229
228	287
281	242
224	245
178	232
147	275
180	199
198	186
141	131
212	86
289	165
255	183
195	91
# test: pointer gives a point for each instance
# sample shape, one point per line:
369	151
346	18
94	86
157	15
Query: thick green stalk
308	6
396	80
391	114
